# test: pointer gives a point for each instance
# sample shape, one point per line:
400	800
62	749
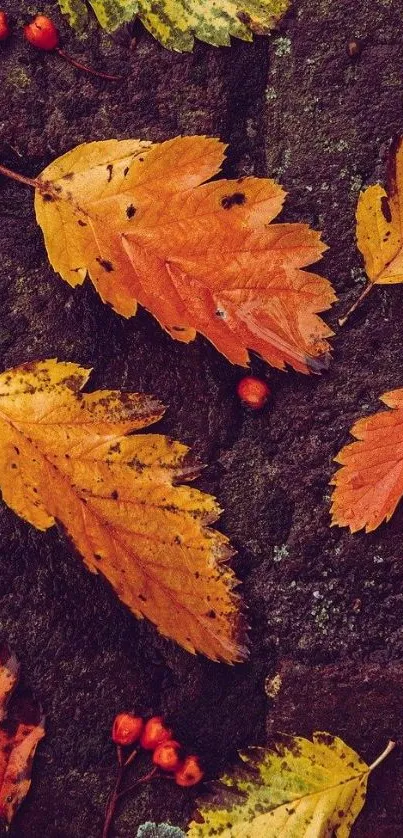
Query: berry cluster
153	735
132	733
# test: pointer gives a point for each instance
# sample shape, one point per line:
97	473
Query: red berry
253	391
155	733
189	772
4	27
127	729
166	755
42	33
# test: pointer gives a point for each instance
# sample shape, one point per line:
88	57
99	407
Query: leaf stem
35	183
84	67
364	293
383	755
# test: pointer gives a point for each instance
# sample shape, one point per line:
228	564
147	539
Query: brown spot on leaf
105	264
385	209
131	211
110	171
235	200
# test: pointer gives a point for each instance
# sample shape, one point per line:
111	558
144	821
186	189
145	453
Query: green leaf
295	789
110	13
175	23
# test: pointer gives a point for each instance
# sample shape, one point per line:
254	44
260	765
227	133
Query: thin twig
131	757
114	796
152	775
367	289
86	69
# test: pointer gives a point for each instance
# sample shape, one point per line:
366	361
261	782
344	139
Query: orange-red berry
4	27
167	755
127	729
190	772
42	33
253	391
155	733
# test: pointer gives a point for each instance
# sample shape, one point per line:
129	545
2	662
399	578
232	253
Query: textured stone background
326	608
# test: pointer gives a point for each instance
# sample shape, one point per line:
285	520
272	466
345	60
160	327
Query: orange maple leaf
145	226
21	728
369	485
71	457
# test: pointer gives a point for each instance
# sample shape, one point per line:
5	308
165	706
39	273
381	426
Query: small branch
383	755
84	67
367	289
113	798
152	775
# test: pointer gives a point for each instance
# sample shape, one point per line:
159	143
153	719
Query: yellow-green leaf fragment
297	789
175	23
110	13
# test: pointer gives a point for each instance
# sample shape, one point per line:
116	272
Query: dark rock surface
326	608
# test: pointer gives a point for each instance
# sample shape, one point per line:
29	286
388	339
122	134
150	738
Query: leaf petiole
35	183
389	748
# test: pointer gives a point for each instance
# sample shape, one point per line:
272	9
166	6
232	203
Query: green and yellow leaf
297	789
175	23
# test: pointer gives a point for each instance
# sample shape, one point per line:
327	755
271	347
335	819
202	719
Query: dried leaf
140	220
175	23
369	485
66	456
294	790
21	728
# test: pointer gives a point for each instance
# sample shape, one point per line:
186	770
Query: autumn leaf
295	789
379	228
369	485
21	728
145	226
175	23
71	457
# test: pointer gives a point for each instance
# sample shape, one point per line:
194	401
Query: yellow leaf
175	23
141	220
297	789
379	229
71	457
369	485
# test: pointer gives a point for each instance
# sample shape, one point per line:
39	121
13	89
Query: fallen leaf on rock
21	728
142	222
369	485
295	789
175	23
71	457
379	228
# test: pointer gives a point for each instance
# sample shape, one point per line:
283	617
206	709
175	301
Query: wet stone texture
325	607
